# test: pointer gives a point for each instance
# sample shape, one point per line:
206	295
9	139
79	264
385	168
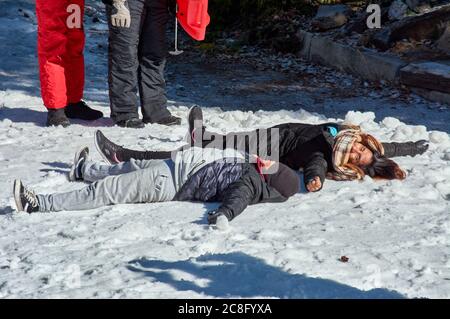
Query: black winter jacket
235	185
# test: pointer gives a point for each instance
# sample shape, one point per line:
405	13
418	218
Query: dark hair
383	167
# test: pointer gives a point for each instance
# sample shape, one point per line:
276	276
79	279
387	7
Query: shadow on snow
243	276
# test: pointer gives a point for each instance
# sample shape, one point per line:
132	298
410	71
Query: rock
427	75
397	10
361	62
443	43
359	23
423	8
332	10
380	39
304	43
330	17
418	6
412	4
327	23
431	95
420	27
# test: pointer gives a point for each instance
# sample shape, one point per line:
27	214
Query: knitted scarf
342	147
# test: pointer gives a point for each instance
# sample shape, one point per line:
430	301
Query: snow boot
76	172
57	117
131	123
26	200
82	111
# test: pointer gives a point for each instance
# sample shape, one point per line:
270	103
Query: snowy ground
396	234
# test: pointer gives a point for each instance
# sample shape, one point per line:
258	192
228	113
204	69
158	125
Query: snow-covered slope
395	234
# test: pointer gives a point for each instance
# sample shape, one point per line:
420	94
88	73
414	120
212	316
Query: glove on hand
421	146
218	219
122	17
212	217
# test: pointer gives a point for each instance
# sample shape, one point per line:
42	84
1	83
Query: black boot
169	121
82	111
131	123
56	117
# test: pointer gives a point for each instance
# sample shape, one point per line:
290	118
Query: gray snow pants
137	58
128	182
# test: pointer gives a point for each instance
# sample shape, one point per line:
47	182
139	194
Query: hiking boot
57	117
169	121
82	111
131	123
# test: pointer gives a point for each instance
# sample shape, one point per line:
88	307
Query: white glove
222	223
122	17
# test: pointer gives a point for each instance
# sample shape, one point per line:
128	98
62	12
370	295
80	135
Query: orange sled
193	17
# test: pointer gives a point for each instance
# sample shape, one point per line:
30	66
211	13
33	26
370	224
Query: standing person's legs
152	61
124	64
74	65
52	45
73	56
152	184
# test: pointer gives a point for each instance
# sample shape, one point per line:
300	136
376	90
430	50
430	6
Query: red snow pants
60	51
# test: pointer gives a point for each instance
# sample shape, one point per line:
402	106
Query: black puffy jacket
235	185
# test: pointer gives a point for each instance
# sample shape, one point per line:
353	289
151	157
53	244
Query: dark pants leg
152	61
124	63
264	143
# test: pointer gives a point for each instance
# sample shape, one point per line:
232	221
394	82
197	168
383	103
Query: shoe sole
97	146
17	184
174	122
189	114
190	133
63	125
72	177
170	123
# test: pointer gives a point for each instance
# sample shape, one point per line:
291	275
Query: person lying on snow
332	150
195	174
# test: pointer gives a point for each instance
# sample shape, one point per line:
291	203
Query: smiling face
360	155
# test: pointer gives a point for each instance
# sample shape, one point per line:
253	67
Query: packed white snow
396	234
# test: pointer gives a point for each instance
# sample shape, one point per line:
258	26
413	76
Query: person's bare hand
314	185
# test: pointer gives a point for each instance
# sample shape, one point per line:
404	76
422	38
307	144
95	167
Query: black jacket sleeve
316	166
237	197
249	189
405	149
